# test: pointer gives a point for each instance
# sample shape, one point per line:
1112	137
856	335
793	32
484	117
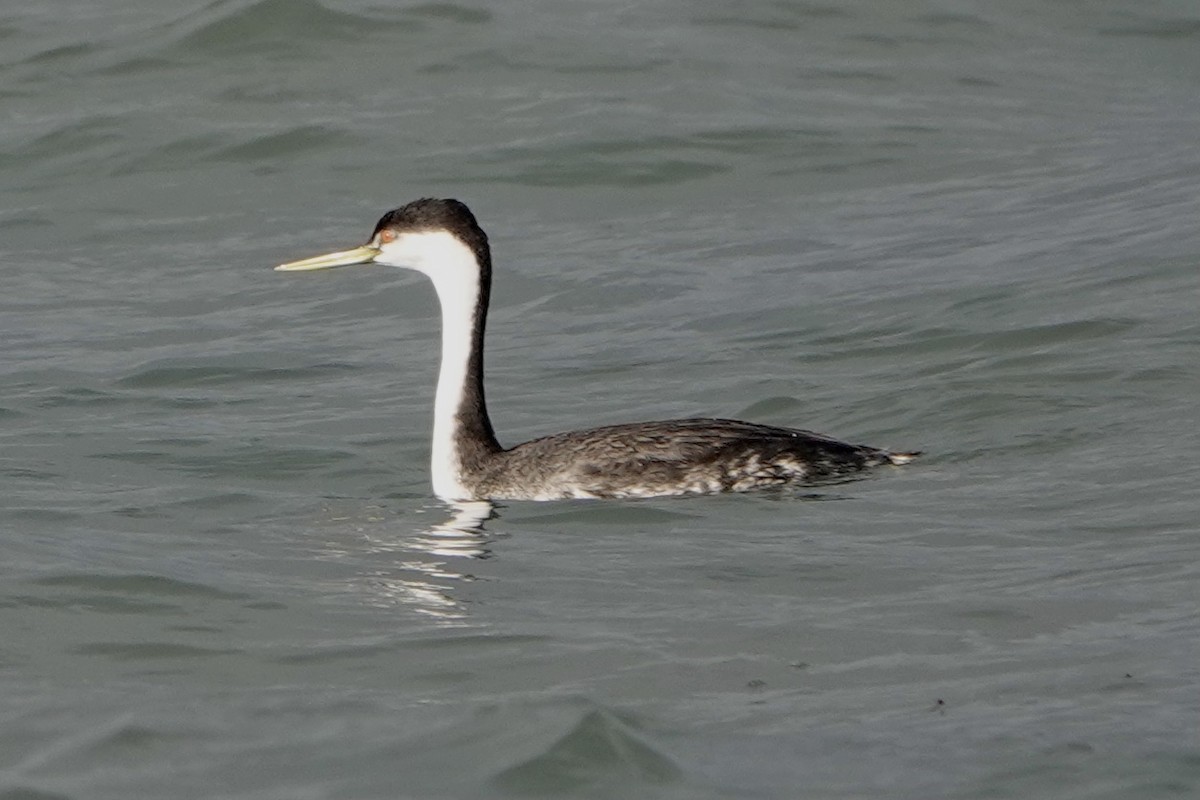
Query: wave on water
287	26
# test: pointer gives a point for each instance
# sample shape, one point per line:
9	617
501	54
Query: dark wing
722	451
683	439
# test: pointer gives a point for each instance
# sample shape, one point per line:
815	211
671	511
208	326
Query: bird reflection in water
462	535
431	561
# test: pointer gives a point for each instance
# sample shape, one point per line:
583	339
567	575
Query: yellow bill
359	255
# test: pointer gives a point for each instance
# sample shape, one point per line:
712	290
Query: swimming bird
442	239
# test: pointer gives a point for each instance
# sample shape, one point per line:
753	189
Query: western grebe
643	459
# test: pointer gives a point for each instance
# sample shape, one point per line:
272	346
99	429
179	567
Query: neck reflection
432	562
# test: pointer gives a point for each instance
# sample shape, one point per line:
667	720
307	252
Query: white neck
455	274
458	300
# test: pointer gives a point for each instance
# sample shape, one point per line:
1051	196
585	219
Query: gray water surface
964	228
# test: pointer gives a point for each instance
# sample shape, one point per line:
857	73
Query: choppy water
967	228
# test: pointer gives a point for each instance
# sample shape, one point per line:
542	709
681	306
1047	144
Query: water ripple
223	374
237	26
600	750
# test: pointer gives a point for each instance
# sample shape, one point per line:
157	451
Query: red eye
387	236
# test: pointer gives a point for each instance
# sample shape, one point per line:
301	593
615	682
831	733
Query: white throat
452	267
